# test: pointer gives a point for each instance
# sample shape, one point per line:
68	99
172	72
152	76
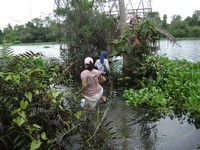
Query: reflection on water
137	129
176	134
189	50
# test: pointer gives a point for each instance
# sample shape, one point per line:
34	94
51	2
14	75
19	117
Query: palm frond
6	50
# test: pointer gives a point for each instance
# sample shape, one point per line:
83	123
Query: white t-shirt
100	66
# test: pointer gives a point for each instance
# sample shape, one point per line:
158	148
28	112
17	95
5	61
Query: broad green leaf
29	96
44	136
54	100
78	115
36	91
16	78
35	145
19	120
23	104
48	142
16	111
22	114
9	77
55	93
37	126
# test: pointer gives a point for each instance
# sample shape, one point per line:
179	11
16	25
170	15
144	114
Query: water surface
189	50
135	129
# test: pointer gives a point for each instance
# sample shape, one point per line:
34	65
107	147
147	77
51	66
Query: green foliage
49	30
36	30
183	84
33	110
147	34
152	97
98	134
87	31
176	86
36	116
134	56
164	22
195	31
154	17
6	50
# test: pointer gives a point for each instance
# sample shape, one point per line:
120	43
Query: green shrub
34	115
176	85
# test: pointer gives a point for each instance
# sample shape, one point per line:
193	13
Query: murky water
49	50
135	129
189	50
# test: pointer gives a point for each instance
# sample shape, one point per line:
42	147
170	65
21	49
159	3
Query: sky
184	8
21	11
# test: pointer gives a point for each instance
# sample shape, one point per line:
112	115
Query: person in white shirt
102	64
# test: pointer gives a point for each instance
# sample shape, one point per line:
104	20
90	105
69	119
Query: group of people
92	78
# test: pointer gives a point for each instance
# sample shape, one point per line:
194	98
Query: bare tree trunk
122	16
126	58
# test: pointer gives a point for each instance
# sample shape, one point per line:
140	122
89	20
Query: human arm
84	85
101	79
83	82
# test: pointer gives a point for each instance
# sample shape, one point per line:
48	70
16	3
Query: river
189	50
134	131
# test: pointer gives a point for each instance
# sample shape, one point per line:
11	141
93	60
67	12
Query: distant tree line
34	31
189	27
48	29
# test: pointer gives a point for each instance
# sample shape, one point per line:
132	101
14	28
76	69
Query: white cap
88	60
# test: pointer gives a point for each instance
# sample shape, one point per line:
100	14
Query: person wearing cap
91	79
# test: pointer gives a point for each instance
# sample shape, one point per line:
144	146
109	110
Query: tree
36	30
1	36
178	28
86	31
164	22
52	29
189	21
135	56
196	18
154	17
195	31
10	35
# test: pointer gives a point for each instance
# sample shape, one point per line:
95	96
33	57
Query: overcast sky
184	8
21	11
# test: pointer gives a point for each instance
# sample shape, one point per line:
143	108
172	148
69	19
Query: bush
176	86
